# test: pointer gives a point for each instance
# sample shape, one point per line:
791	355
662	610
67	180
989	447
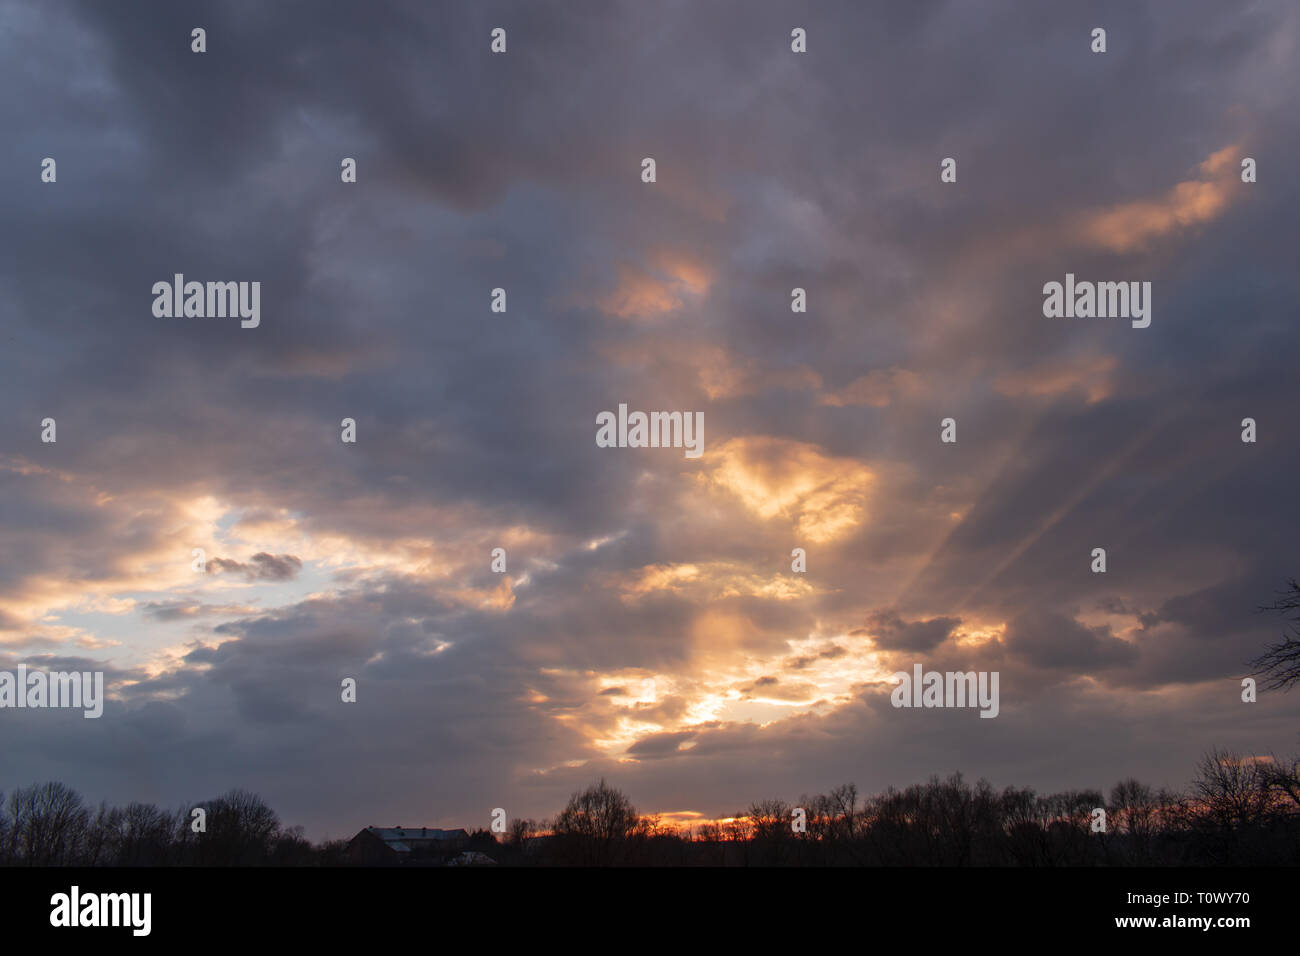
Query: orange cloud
823	496
670	281
723	376
878	388
498	598
1194	202
1091	374
726	682
714	581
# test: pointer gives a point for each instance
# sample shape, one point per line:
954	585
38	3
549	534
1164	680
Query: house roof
401	838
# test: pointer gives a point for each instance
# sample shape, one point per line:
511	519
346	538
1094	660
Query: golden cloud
667	282
713	581
1191	203
823	496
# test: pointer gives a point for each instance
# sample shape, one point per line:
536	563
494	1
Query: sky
648	627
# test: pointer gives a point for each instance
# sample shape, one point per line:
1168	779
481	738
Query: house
535	845
388	846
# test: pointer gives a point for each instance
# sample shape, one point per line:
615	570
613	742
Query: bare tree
147	835
1134	815
596	824
1233	791
1280	664
1132	808
241	830
769	823
1023	828
521	830
844	801
1283	779
48	825
1068	818
103	837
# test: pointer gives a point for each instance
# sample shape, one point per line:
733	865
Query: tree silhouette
596	824
1239	810
1280	664
47	825
242	831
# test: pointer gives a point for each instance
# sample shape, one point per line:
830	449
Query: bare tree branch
1279	665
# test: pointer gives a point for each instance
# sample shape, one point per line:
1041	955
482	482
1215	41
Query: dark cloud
1054	641
260	567
890	632
804	660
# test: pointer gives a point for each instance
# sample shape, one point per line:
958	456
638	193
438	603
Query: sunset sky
649	628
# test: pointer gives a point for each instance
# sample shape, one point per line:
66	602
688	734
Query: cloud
177	610
1195	202
666	283
260	567
878	388
822	496
890	632
1093	376
1056	642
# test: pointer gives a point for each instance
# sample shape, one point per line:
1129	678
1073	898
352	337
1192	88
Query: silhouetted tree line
1236	812
49	824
